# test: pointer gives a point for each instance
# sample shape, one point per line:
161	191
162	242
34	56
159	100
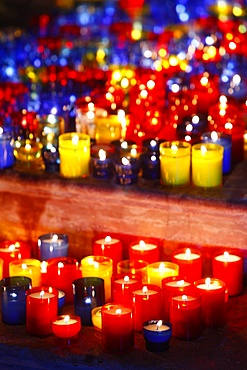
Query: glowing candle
148	252
157	334
229	268
74	152
99	266
212	292
11	250
186	317
190	264
147	304
160	270
97	317
108	247
207	165
123	286
66	326
28	155
127	169
28	267
42	307
102	165
61	272
118	335
52	245
6	149
175	163
133	267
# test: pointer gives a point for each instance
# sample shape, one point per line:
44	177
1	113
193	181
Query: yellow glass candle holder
74	150
207	165
29	267
50	127
175	163
108	129
28	155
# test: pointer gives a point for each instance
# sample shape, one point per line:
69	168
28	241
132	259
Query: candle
228	267
50	126
150	165
11	250
148	252
157	334
123	286
175	163
97	317
118	335
134	267
147	304
52	245
13	299
207	165
28	155
102	165
190	264
28	267
159	270
236	130
108	247
99	266
74	150
224	140
61	272
66	326
108	129
6	149
89	293
171	287
212	293
186	317
41	310
127	170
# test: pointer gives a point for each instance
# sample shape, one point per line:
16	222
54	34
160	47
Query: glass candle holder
159	270
189	262
41	311
52	245
28	267
50	127
175	163
108	247
97	317
207	168
7	158
107	129
134	267
127	170
102	165
11	250
122	287
145	251
157	334
28	155
74	150
13	299
99	266
88	293
66	326
118	334
150	165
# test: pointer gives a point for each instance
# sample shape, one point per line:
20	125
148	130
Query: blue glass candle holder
157	334
127	170
13	291
51	157
102	165
89	292
52	246
150	165
6	149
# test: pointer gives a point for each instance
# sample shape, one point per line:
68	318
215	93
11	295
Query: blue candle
157	334
14	290
224	140
52	246
150	164
6	149
102	165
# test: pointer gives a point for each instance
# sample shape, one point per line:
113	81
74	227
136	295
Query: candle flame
158	325
223	99
153	158
214	136
107	239
55	238
75	140
162	267
207	282
203	150
174	147
102	155
189	127
145	289
125	161
226	255
96	265
41	294
184	297
51	119
118	311
153	143
66	319
204	81
28	147
126	279
124	145
180	283
229	126
60	265
188	253
142	244
133	152
24	266
12	248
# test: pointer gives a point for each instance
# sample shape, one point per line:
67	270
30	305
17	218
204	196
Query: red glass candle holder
122	287
66	326
189	262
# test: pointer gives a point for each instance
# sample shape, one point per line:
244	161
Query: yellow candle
175	163
28	267
74	152
101	267
207	164
97	317
107	129
160	270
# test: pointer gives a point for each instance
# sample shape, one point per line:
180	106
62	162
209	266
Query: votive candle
190	264
160	270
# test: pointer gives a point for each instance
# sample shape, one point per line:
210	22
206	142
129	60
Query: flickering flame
12	248
124	145
108	239
118	311
195	120
226	255
55	238
153	143
133	152
51	119
42	293
75	140
90	106
145	289
162	267
102	155
60	265
126	279
174	147
125	161
223	100
66	319
188	253
189	127
184	297
203	150
214	136
153	158
158	325
24	266
96	264
180	283
28	147
207	282
90	115
142	244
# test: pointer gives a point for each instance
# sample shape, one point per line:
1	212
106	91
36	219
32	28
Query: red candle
61	272
190	264
41	310
148	252
213	294
109	247
229	268
66	326
185	317
118	334
11	250
171	287
123	286
147	304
